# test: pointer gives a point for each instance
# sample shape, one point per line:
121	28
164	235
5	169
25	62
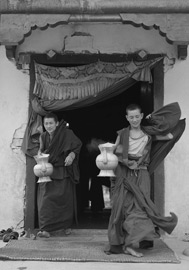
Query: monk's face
134	118
50	125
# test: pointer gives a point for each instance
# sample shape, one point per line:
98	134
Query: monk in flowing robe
134	217
57	199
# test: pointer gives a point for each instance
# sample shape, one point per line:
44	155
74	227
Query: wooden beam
158	178
30	196
94	7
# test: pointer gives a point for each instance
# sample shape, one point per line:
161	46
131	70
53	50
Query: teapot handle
105	158
43	167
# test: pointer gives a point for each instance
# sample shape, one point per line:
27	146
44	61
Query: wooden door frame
158	100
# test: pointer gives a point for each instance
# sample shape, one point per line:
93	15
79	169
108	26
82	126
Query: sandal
10	236
3	232
68	231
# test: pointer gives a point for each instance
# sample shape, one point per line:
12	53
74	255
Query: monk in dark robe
134	217
57	199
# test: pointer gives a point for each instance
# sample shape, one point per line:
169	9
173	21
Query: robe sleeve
163	120
160	149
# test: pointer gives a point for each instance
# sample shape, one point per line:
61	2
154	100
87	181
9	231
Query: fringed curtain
74	83
60	88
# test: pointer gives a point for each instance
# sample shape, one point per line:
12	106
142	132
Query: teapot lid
108	144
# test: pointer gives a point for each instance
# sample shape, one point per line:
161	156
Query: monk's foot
43	234
132	252
108	252
68	231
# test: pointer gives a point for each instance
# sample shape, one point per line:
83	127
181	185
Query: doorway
101	120
98	122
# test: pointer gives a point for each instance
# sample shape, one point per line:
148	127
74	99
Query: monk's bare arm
116	143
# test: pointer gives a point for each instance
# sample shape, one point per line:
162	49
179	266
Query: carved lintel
23	62
51	54
182	52
24	58
168	63
14	28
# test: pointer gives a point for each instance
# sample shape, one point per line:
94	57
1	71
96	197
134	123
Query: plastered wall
177	162
14	87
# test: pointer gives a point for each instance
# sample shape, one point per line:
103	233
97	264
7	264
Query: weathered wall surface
177	162
14	87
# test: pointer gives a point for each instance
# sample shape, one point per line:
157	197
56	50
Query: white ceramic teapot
106	161
43	169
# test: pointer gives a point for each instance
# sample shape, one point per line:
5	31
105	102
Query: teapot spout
40	157
36	158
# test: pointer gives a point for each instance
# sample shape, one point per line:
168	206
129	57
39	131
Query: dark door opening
99	121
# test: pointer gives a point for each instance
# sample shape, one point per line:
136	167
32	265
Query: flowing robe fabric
57	199
134	217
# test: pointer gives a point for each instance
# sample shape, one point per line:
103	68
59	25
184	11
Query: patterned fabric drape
74	83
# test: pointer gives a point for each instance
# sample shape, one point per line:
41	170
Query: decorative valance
75	83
